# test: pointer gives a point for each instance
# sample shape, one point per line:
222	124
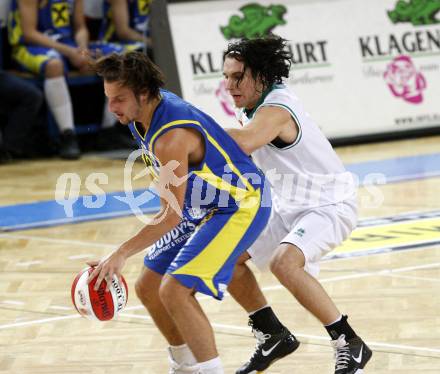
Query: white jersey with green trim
306	173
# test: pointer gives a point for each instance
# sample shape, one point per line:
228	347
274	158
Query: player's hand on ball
98	305
106	268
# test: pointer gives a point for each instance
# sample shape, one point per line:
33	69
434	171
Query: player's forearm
242	139
149	234
39	38
130	34
82	38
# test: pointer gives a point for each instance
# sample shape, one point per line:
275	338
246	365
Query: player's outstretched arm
268	123
174	150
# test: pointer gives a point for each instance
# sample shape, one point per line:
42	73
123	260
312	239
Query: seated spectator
21	112
126	22
48	38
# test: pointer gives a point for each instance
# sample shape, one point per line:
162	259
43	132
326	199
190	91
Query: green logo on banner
418	12
257	21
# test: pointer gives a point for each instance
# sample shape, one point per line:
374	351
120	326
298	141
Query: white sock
337	320
59	102
182	354
108	118
213	366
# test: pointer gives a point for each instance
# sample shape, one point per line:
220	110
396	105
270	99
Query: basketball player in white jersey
314	203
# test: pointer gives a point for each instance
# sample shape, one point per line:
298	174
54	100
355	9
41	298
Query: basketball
98	305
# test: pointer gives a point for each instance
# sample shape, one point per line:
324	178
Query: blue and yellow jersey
54	19
225	176
139	14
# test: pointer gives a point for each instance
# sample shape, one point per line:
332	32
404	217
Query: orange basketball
98	305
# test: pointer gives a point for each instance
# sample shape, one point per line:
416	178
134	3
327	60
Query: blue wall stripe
51	213
399	169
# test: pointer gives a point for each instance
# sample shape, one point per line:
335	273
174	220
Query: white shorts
315	232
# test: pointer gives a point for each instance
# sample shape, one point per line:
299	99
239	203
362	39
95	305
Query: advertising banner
359	67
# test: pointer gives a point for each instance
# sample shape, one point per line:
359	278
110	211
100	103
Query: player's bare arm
80	27
121	19
269	122
175	150
173	146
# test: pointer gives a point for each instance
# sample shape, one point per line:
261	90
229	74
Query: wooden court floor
392	298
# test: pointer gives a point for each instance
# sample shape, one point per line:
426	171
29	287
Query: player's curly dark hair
133	70
267	58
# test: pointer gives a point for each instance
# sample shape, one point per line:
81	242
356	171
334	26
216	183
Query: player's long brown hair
267	58
133	70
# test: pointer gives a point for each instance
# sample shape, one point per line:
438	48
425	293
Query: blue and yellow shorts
201	252
33	58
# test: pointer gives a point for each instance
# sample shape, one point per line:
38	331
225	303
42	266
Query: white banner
360	67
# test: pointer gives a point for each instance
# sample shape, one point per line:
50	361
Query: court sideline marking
218	327
373	235
383	272
239	328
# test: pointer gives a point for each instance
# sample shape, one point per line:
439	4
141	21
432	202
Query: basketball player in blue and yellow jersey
48	38
126	22
212	197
